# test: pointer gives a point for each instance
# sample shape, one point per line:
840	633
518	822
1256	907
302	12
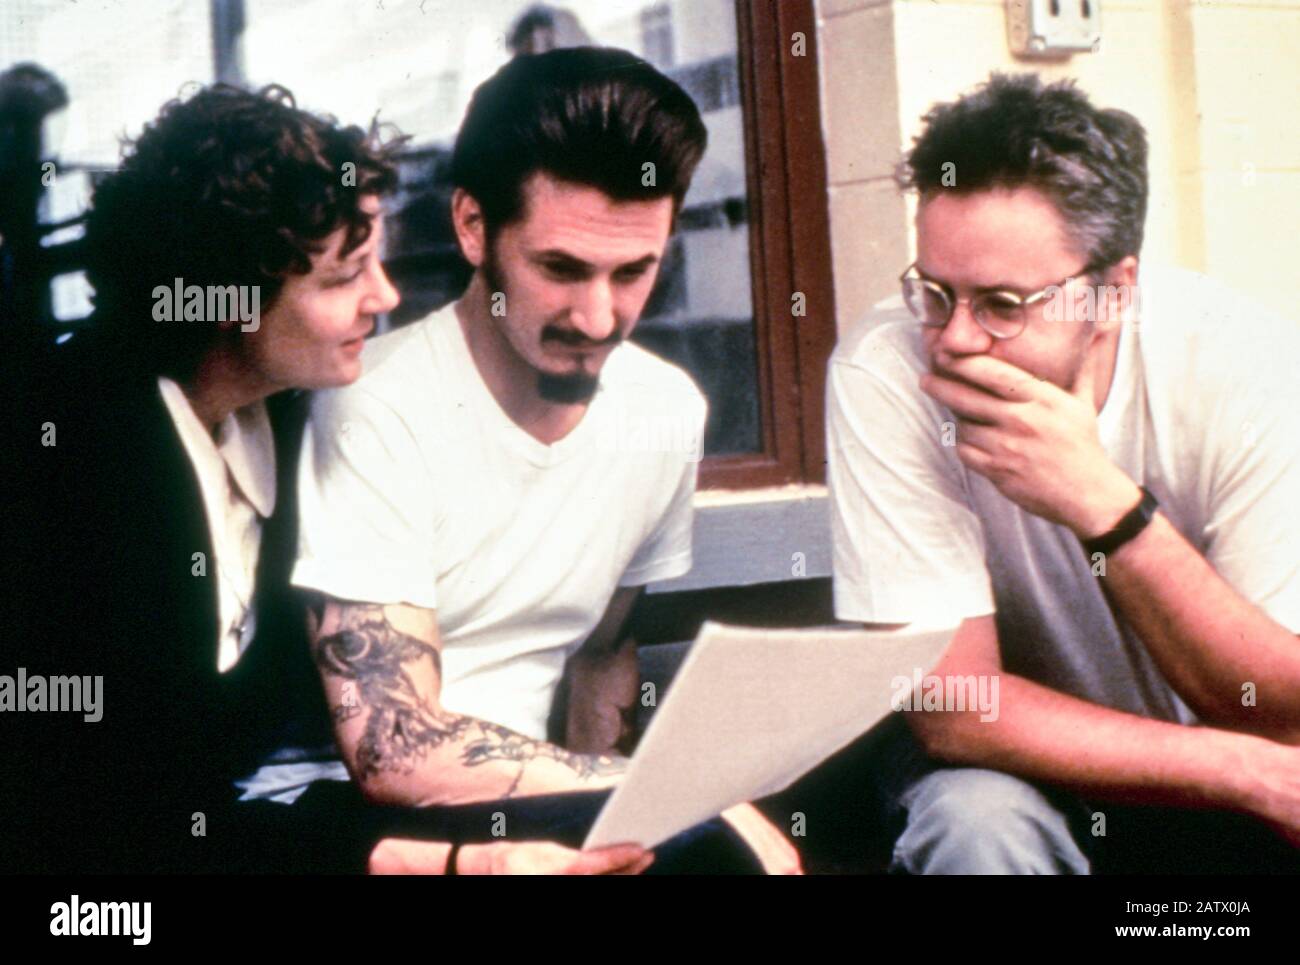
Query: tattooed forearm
372	657
374	660
496	743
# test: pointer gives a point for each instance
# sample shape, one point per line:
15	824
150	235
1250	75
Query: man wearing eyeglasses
1096	483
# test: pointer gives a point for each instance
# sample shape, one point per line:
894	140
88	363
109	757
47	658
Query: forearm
382	670
603	690
1040	446
438	757
1043	735
1228	660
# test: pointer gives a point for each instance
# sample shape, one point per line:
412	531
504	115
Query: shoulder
885	346
400	361
1203	343
397	377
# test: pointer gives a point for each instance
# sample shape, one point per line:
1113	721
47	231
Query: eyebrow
1000	287
341	267
555	254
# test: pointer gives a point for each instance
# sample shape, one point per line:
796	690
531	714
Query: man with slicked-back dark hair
482	508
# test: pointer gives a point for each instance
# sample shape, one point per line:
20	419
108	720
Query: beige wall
1214	83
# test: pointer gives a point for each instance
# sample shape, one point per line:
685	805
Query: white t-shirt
417	488
1201	411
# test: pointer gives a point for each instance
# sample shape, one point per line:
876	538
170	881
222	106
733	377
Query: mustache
575	339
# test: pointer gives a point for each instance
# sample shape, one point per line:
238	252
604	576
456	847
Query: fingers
616	859
974	459
965	401
408	856
980	436
994	376
638	868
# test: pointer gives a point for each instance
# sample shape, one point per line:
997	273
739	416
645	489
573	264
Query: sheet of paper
750	712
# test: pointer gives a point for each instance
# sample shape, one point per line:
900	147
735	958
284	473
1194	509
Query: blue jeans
970	820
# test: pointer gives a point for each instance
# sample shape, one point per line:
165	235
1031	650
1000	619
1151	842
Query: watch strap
1130	524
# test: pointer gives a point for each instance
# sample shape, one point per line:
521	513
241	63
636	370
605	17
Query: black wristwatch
1132	523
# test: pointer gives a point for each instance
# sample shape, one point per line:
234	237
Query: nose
383	296
593	312
963	335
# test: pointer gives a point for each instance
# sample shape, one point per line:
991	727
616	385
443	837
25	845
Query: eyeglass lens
997	313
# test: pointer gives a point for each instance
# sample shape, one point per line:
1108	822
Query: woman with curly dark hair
227	189
235	257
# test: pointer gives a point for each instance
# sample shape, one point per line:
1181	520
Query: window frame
785	158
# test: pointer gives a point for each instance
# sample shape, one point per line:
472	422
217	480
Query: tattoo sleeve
375	660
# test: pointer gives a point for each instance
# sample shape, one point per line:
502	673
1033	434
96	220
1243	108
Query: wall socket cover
1037	28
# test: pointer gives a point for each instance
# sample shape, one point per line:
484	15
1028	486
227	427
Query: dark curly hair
590	115
1015	131
227	187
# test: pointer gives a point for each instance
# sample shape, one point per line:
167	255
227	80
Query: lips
358	339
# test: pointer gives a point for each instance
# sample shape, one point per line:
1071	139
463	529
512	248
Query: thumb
602	861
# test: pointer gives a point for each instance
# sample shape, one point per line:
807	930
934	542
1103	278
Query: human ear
467	219
1121	295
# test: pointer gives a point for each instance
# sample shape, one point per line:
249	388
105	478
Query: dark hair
1015	131
589	115
226	188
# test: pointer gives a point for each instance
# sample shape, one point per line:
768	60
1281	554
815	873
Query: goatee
571	389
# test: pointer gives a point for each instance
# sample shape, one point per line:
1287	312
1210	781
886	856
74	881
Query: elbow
939	734
380	789
393	791
953	736
399	788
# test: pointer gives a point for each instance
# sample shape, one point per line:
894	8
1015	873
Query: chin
347	375
334	378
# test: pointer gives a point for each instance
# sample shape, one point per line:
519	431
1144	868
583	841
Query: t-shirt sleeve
1252	533
666	553
366	528
907	548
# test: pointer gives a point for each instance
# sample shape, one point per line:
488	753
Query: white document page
749	712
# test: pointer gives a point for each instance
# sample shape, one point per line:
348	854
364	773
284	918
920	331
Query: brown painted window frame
790	250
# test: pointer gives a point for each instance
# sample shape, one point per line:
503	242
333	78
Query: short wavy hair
593	116
227	187
1015	131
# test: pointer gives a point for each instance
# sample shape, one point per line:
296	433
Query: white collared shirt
236	471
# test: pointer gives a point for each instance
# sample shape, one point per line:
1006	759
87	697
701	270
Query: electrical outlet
1044	28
